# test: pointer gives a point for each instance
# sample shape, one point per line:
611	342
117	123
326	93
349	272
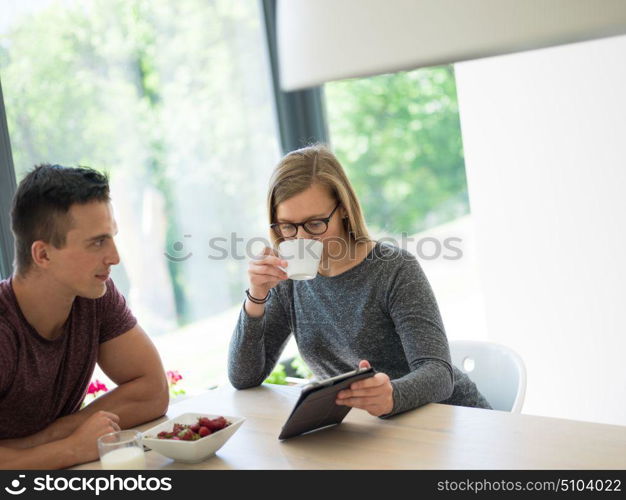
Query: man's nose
113	258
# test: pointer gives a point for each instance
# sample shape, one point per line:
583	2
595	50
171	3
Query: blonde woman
370	303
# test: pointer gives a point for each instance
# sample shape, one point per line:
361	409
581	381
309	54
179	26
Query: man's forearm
80	446
55	455
135	402
59	429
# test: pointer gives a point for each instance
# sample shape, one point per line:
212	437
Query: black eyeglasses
311	226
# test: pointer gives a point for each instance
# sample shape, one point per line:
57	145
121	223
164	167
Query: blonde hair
301	169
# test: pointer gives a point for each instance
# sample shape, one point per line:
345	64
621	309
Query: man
60	313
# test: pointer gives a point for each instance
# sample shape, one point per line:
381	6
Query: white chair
498	372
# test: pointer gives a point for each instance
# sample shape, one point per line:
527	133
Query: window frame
7	190
300	114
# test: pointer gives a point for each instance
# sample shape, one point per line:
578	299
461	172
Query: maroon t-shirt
42	380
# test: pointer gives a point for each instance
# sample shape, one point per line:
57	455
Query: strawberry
218	424
186	435
202	428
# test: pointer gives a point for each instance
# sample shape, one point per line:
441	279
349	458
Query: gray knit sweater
382	310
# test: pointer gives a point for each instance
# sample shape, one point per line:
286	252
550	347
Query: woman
369	304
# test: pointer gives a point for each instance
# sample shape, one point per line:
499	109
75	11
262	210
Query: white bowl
190	451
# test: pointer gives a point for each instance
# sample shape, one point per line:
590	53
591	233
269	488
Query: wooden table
432	437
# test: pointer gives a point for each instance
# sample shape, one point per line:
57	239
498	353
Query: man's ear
39	252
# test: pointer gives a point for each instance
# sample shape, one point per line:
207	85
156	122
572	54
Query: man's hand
80	446
61	428
84	440
374	394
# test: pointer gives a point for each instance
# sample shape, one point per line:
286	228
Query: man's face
83	265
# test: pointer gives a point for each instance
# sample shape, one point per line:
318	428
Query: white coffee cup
303	257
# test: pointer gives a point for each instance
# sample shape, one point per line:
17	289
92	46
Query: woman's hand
374	394
264	272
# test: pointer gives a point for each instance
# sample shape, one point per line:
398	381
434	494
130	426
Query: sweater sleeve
257	343
414	312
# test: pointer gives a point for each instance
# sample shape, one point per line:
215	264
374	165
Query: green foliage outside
301	368
399	138
164	95
279	374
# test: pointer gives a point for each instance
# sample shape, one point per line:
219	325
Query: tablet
316	406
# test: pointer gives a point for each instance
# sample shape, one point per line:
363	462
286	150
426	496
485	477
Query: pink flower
95	387
173	376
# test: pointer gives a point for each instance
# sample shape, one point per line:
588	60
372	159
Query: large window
174	100
399	137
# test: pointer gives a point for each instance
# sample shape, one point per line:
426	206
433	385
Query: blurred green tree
399	137
160	94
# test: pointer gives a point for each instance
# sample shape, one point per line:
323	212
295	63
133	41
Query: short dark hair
42	202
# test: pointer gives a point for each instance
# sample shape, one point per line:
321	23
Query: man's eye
99	243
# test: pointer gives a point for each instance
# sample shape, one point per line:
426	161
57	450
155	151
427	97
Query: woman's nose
302	233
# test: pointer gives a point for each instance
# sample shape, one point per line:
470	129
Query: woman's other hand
373	394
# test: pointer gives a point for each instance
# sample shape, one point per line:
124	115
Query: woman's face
314	203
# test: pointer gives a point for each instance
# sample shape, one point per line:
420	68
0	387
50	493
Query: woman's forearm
430	382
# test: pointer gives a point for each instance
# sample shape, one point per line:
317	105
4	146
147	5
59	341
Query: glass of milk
121	450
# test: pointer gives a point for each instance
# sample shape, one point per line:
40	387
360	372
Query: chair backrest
498	372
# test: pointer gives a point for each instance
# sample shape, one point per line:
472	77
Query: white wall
544	134
453	276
